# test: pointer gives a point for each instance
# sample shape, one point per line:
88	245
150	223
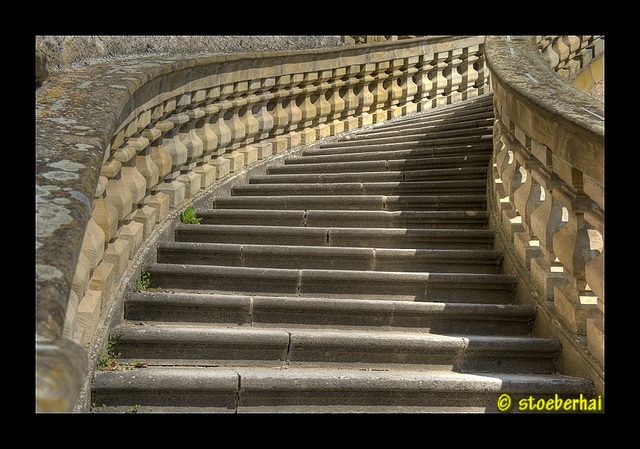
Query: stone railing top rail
515	60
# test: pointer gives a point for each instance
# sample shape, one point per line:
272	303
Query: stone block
89	315
207	173
147	216
526	249
574	309
295	139
265	149
323	131
134	233
103	280
71	316
222	166
307	135
236	161
160	202
176	192
279	145
546	277
595	338
192	183
82	275
250	155
117	253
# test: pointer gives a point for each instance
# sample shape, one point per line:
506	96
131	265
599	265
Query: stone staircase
357	276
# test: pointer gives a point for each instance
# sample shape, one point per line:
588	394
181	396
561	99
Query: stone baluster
527	198
395	92
220	128
323	107
573	247
251	123
304	100
452	72
351	100
407	83
137	183
157	199
336	101
440	84
231	119
202	128
277	110
260	109
594	273
174	147
293	111
363	92
469	72
379	92
104	212
546	221
188	176
116	192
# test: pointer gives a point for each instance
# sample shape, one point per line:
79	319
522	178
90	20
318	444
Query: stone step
385	162
455	138
467	239
461	173
462	186
330	257
391	151
336	313
419	286
443	202
345	218
313	390
212	345
418	126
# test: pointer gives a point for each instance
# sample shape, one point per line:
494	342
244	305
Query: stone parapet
122	147
547	194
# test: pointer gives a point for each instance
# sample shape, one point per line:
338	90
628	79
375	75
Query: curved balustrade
122	147
547	195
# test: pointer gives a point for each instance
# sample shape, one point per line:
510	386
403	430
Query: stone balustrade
547	194
122	148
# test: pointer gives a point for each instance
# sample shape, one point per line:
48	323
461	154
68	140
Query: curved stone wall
547	195
122	147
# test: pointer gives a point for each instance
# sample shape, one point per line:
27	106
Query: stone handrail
122	147
548	181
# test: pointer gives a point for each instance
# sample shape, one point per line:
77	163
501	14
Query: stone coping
555	113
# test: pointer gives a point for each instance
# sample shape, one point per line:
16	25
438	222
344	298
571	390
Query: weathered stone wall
67	52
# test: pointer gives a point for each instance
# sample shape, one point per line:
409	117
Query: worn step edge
456	287
461	173
450	187
223	345
401	238
417	127
323	257
503	319
463	201
344	218
439	138
383	164
404	150
224	390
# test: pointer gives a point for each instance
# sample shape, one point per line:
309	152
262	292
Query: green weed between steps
189	216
